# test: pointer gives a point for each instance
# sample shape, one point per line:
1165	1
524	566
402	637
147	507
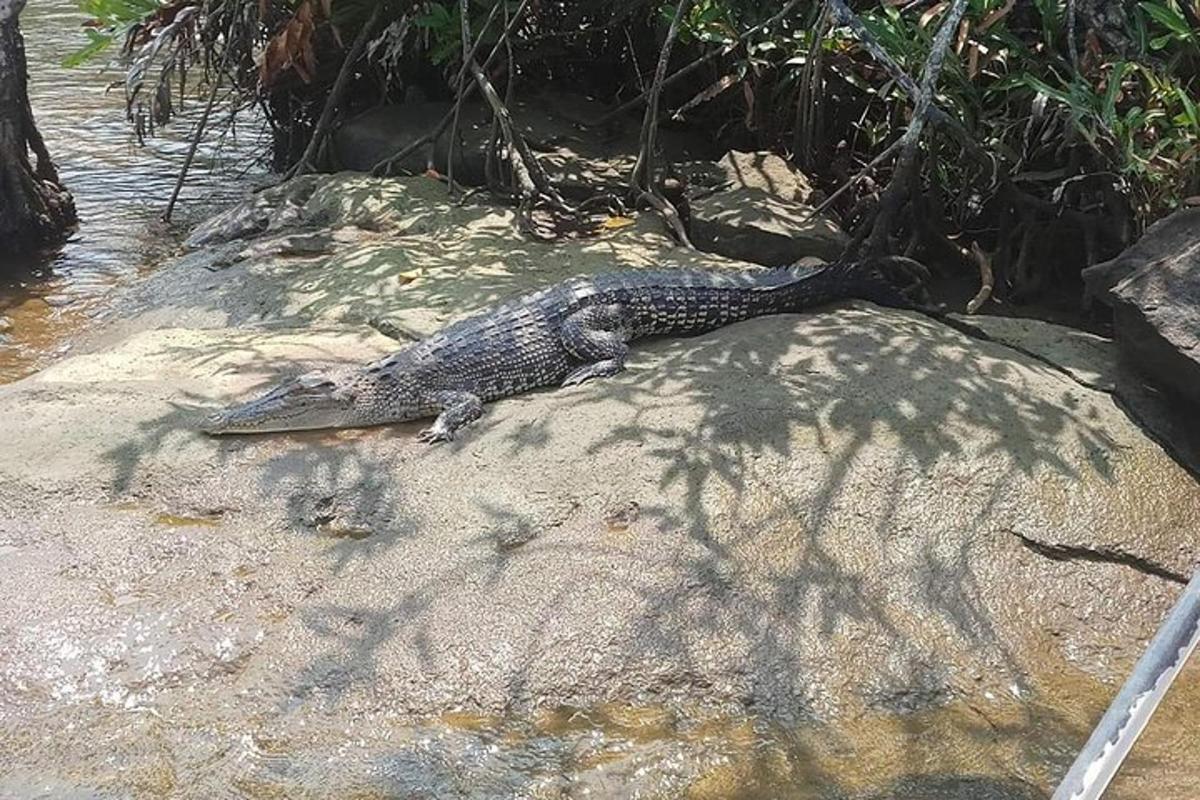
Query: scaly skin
562	335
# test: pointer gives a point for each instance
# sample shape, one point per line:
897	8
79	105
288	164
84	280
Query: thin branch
643	181
1072	44
468	52
388	164
862	173
683	72
199	132
464	16
642	176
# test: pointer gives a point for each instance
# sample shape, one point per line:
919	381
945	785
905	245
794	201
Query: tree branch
898	187
307	161
844	15
693	66
388	164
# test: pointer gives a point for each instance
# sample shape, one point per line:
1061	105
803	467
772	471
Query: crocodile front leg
596	335
458	409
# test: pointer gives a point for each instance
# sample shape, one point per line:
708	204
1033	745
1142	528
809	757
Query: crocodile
565	334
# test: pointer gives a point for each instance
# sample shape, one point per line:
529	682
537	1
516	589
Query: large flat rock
853	552
811	517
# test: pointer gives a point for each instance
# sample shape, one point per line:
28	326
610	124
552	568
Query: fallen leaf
616	223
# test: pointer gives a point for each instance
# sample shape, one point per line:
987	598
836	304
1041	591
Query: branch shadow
862	378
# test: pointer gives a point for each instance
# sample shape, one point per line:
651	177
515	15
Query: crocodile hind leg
596	335
458	409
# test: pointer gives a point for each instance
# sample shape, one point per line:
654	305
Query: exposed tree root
35	209
531	180
644	184
900	185
460	94
987	280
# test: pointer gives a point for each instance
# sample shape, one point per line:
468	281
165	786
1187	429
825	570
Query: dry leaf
964	30
290	48
714	89
616	223
997	15
930	13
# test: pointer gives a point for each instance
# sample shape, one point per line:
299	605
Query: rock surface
1154	290
753	207
855	550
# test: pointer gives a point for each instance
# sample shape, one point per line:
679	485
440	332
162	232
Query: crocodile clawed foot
601	369
435	434
577	377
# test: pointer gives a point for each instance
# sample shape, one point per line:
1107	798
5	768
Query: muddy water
968	750
120	190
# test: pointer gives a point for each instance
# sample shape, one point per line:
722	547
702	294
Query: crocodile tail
894	281
886	280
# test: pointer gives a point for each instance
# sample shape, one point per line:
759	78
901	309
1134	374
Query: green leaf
1108	110
99	41
1189	108
1167	17
437	18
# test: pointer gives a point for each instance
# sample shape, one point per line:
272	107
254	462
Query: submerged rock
856	536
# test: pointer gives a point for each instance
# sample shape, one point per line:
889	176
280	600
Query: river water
121	189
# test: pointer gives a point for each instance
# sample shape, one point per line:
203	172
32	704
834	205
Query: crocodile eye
313	380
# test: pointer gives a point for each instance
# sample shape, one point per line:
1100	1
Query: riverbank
848	553
120	187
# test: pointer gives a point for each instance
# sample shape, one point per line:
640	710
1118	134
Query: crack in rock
1069	552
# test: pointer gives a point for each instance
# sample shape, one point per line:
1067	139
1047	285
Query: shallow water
121	189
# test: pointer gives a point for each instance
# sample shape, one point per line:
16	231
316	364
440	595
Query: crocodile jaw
310	402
